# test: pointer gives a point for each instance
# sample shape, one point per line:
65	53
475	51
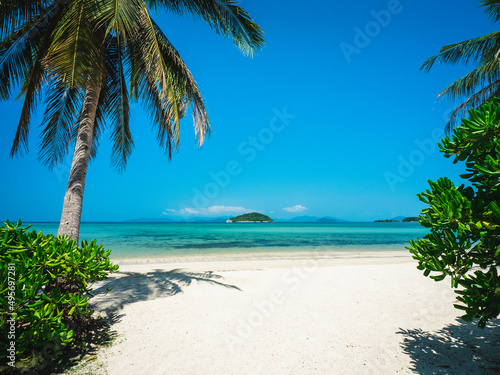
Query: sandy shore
361	313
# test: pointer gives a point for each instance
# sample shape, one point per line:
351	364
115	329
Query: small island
410	219
253	217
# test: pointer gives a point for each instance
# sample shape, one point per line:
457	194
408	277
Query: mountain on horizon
312	219
149	220
301	219
329	219
220	219
399	218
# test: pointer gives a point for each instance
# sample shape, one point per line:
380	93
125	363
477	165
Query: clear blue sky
297	127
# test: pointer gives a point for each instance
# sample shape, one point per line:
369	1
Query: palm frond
471	82
118	107
472	50
160	77
145	87
475	101
154	104
14	14
120	16
152	82
31	90
62	105
31	97
17	51
75	47
15	59
224	16
179	72
480	84
492	9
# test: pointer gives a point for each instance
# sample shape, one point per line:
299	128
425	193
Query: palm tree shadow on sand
111	295
458	348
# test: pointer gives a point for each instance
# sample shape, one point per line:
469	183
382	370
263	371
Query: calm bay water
144	240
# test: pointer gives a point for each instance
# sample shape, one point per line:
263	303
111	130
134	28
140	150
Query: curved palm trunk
73	200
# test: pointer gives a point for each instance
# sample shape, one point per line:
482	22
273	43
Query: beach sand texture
298	316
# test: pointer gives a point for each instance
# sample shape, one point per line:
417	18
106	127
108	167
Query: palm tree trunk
73	200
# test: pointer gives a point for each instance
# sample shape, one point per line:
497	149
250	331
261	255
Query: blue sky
303	128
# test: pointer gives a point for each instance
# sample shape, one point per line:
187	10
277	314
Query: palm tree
481	84
93	56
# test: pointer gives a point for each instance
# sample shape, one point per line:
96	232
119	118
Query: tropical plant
92	57
481	84
44	287
464	221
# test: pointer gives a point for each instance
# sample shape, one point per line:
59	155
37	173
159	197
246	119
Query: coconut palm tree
481	84
92	57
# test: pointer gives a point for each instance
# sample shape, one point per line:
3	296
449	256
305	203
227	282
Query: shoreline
263	260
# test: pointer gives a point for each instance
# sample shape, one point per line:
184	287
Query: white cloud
208	211
297	208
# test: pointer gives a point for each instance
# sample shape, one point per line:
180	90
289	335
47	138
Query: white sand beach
362	313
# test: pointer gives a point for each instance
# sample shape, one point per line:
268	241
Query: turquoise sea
158	240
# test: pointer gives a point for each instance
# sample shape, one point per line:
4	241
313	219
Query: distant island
253	217
411	219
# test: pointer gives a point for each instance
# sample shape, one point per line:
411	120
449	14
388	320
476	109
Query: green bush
464	221
44	282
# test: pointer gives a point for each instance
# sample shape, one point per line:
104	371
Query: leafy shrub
44	281
464	221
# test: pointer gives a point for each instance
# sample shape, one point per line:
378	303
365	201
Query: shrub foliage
44	286
464	221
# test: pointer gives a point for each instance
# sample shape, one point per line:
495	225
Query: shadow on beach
109	298
459	348
130	287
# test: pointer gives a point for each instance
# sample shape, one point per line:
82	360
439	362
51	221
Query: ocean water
144	240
